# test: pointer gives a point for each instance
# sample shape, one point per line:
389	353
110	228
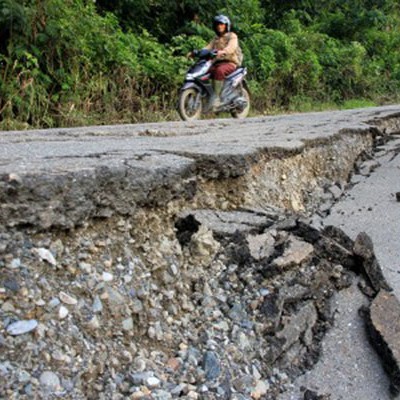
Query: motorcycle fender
246	86
188	85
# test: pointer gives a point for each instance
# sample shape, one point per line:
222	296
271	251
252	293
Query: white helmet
222	19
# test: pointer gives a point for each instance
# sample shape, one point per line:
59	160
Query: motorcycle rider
228	55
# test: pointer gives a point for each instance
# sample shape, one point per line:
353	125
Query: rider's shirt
229	43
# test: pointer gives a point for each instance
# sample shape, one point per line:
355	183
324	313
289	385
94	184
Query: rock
364	249
15	263
203	245
337	247
336	191
67	299
46	255
127	324
63	312
298	325
311	395
383	326
11	284
261	246
397	196
211	366
97	305
161	395
174	363
152	382
50	381
260	390
222	223
140	378
271	308
22	327
296	253
107	277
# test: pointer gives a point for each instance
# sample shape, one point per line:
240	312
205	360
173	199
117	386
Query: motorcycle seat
238	71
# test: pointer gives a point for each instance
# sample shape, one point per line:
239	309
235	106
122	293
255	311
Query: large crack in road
178	260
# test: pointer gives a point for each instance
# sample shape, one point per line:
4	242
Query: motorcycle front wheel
189	105
242	112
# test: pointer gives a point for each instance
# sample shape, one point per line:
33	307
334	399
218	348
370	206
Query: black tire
242	113
190	105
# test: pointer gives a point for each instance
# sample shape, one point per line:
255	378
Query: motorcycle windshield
199	69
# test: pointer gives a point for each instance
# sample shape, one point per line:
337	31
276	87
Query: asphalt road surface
349	368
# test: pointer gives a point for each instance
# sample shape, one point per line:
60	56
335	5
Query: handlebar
205	54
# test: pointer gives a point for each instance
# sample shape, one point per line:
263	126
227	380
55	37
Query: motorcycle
197	94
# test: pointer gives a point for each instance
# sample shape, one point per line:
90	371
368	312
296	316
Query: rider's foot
216	103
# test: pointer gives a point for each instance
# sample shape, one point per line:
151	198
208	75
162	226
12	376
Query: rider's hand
221	53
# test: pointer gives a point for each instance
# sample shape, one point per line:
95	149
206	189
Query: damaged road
349	367
183	260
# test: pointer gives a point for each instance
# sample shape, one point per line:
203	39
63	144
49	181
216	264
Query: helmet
222	19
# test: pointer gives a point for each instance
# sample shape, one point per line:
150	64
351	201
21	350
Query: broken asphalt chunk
364	249
383	326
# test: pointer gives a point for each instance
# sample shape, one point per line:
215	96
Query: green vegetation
78	62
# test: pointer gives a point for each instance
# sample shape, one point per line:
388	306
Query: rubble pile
211	305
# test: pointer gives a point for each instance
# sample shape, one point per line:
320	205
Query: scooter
196	94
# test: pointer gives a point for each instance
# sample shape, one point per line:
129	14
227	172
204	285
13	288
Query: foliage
74	62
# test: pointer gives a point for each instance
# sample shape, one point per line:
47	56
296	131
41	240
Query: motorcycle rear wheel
190	105
242	113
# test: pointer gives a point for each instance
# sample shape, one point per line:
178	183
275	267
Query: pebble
140	378
46	255
23	376
107	277
67	299
97	305
15	263
152	382
22	327
50	381
260	390
63	312
211	366
127	324
85	267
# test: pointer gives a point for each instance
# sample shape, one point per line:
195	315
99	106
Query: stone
15	263
97	305
50	381
296	253
174	363
46	255
115	298
127	324
161	395
22	327
383	327
298	325
337	247
364	248
311	395
211	366
261	246
152	382
260	390
271	308
107	277
11	284
63	312
139	378
67	299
